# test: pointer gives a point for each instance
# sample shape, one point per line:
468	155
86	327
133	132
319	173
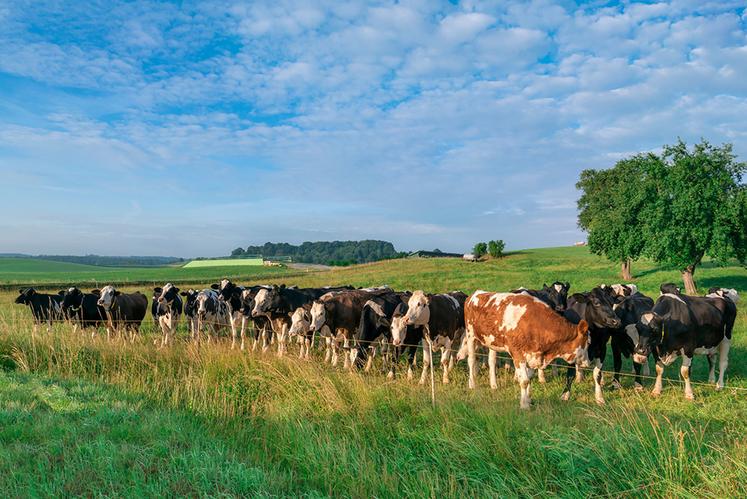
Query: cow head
207	301
165	296
558	294
648	334
24	296
727	293
107	296
73	299
319	314
267	299
190	302
300	322
398	325
418	310
669	288
598	309
225	289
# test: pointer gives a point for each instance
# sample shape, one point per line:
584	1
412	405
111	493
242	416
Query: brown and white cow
525	327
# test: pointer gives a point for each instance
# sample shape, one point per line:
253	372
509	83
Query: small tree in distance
480	249
495	248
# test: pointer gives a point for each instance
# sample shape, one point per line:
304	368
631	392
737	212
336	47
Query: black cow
669	288
595	307
555	295
169	306
681	325
44	307
82	309
629	310
376	320
122	310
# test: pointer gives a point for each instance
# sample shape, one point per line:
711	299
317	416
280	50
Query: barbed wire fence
153	329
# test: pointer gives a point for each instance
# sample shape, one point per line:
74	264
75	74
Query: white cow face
418	309
399	329
206	301
300	322
224	283
261	302
318	315
106	298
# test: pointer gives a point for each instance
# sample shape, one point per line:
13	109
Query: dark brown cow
525	327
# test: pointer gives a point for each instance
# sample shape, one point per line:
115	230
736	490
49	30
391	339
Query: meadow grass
204	420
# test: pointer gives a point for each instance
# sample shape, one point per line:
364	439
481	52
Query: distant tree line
675	207
113	261
326	252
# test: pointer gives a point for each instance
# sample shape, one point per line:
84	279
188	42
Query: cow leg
617	362
492	359
234	333
598	397
346	352
723	361
541	375
328	350
579	375
554	368
242	333
525	401
369	362
427	355
472	360
711	367
446	359
412	363
570	375
638	385
333	344
657	384
685	373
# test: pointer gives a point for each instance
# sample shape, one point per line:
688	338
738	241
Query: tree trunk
626	270
688	277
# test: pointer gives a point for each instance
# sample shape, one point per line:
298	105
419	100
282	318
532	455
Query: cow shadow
732	281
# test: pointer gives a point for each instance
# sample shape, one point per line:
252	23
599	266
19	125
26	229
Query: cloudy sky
190	128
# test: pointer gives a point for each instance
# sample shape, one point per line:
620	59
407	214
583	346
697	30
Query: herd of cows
534	327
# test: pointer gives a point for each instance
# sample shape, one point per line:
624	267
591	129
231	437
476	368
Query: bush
495	248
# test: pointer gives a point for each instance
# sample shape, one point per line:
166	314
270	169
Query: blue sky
189	128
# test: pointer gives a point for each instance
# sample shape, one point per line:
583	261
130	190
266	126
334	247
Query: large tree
611	208
700	208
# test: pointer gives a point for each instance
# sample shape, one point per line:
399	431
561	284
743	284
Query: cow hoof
615	385
492	387
638	387
390	375
719	387
600	401
655	393
690	396
565	396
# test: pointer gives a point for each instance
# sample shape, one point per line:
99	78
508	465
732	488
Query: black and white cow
190	311
376	324
629	311
681	325
260	324
442	318
594	307
169	308
82	309
44	308
231	294
669	288
124	311
212	314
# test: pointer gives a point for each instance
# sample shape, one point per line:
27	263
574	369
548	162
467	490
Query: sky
191	128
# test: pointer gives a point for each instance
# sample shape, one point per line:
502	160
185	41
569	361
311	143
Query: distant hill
326	252
103	261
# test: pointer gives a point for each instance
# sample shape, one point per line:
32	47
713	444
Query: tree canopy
675	208
329	252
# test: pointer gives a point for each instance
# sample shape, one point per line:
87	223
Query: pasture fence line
419	346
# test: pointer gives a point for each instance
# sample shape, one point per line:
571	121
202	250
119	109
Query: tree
700	208
237	252
480	249
612	208
495	248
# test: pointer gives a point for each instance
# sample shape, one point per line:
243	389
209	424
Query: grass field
28	271
82	416
224	262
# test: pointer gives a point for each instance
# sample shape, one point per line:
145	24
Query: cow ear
20	291
176	290
117	292
215	286
96	292
282	286
157	290
567	285
583	327
61	293
183	293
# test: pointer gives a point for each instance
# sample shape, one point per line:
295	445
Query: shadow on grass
738	282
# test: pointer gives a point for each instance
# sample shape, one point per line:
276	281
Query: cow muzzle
639	358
